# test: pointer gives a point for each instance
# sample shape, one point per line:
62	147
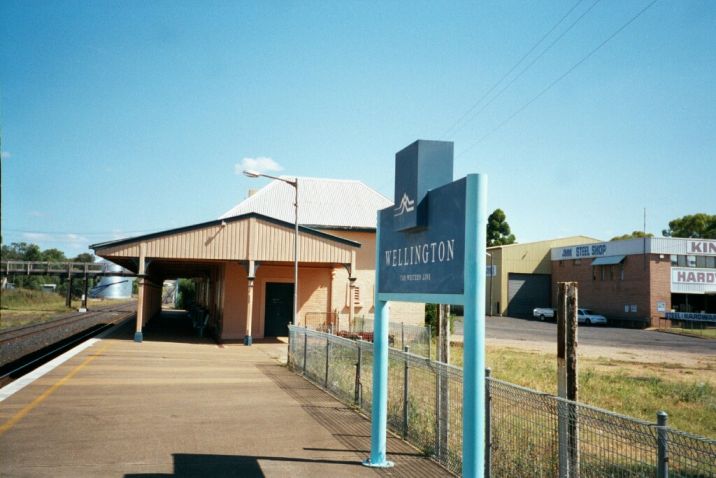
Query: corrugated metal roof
321	203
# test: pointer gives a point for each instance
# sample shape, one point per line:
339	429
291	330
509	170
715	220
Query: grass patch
30	300
20	307
631	388
709	333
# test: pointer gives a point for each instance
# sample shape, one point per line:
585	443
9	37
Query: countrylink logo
406	205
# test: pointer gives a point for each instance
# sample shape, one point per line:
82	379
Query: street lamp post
294	183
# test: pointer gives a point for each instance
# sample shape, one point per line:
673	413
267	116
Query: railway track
25	348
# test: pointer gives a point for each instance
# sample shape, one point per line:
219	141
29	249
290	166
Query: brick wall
660	271
608	294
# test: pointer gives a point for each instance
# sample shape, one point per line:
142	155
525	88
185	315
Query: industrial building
519	276
243	261
641	280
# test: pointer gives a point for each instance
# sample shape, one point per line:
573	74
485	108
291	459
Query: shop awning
607	261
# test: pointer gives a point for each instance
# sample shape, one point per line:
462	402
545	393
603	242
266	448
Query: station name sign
442	251
421	244
427	260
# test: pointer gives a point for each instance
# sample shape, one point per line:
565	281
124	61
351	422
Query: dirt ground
604	358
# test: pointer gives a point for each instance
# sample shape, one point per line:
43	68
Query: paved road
508	328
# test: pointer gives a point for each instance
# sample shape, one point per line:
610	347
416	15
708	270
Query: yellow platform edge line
11	422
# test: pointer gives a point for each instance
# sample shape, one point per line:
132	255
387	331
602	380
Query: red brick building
641	279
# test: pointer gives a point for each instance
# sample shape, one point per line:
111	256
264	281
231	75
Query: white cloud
75	239
37	236
37	214
5	155
42	237
261	164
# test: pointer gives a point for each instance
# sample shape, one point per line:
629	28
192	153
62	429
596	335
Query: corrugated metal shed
323	203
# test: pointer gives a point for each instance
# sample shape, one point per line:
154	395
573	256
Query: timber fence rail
523	425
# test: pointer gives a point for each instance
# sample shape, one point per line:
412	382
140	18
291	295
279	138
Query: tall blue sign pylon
431	247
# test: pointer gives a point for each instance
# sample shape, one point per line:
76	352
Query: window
691	261
681	261
674	259
602	271
700	261
621	271
711	262
594	272
611	272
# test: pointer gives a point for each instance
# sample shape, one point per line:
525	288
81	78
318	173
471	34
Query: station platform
178	405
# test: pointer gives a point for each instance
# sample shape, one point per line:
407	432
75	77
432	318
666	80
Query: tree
21	251
498	231
187	293
53	255
84	257
633	235
10	253
700	225
30	252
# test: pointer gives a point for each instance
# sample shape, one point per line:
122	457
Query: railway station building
242	262
641	280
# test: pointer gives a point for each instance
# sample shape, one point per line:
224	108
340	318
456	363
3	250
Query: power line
455	126
534	60
558	79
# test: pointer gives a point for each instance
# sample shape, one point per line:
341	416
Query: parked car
588	317
543	313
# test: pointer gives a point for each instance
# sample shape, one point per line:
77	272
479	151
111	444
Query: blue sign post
431	247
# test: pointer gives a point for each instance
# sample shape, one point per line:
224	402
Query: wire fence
400	335
528	433
704	328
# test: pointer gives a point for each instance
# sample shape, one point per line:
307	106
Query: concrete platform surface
181	406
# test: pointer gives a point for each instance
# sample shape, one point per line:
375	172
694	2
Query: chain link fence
528	433
400	335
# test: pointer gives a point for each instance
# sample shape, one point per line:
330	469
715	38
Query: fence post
405	392
305	347
438	441
328	353
488	422
662	464
358	397
572	378
402	334
442	354
430	341
562	409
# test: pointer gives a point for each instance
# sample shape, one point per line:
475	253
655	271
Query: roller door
527	291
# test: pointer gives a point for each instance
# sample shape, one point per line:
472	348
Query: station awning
607	261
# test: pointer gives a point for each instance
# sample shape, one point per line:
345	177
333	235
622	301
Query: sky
123	118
